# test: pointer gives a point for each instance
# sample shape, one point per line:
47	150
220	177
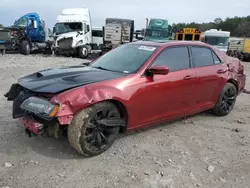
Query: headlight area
40	107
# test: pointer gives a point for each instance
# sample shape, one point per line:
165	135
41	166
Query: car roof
168	43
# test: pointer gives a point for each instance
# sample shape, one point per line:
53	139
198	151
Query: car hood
60	79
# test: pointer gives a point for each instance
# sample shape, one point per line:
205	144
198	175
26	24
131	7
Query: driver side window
175	58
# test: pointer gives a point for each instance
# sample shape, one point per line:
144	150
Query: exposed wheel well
123	112
234	83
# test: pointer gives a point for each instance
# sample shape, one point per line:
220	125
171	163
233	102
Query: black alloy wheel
97	135
226	100
94	129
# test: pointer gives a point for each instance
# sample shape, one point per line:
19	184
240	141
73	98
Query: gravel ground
201	151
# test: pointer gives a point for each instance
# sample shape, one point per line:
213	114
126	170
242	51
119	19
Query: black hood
61	79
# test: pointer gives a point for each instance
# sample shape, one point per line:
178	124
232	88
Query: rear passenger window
216	59
176	58
202	56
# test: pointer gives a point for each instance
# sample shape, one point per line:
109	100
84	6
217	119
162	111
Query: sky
138	10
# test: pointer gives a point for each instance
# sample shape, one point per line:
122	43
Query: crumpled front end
69	41
33	110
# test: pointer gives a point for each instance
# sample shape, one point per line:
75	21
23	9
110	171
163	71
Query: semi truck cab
33	25
156	29
73	31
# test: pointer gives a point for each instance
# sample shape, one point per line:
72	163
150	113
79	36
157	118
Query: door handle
221	71
188	77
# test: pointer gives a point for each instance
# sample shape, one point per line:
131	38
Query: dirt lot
202	151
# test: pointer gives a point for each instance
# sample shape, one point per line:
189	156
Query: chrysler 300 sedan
135	85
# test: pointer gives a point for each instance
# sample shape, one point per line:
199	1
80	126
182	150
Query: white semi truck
73	33
217	38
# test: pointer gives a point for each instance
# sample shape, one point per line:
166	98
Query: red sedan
135	85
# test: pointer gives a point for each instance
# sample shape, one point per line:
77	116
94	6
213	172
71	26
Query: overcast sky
138	10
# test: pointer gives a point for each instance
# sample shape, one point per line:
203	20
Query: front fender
74	100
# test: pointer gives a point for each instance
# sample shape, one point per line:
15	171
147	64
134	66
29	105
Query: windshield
61	28
127	58
217	41
156	33
22	22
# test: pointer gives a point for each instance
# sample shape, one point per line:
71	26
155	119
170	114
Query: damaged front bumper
31	125
32	111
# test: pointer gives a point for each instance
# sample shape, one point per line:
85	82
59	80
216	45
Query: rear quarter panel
234	69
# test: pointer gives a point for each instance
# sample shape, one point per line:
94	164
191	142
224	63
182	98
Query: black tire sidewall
80	49
85	116
217	110
24	49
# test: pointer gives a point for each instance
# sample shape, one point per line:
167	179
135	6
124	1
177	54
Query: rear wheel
90	137
226	100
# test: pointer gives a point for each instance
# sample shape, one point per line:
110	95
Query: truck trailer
118	31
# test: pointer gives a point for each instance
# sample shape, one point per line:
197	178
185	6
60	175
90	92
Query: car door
211	75
171	95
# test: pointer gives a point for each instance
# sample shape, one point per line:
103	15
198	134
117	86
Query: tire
25	47
226	100
83	52
79	130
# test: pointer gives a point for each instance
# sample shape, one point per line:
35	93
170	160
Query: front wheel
25	47
88	135
83	51
226	100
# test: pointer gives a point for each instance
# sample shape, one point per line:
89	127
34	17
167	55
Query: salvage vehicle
75	35
217	38
156	29
118	31
189	34
135	85
73	30
29	33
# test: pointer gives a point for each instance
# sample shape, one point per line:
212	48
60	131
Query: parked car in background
134	85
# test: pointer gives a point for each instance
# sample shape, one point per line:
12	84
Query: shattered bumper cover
32	125
25	103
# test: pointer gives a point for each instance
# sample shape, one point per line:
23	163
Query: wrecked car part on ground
93	104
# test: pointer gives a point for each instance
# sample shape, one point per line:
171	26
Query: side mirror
159	69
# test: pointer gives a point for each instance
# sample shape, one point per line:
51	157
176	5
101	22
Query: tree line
238	26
